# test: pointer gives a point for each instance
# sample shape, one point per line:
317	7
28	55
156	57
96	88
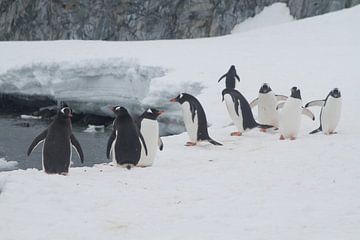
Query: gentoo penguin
267	102
194	119
149	128
124	142
58	139
230	77
290	116
330	111
240	112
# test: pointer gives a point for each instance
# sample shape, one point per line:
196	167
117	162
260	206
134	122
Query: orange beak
173	100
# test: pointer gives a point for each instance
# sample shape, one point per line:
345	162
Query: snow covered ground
254	187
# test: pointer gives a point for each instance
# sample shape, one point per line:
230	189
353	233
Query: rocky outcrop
139	19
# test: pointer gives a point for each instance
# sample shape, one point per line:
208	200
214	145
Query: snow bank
278	13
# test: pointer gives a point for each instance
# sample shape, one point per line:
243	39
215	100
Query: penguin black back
58	139
198	111
124	139
239	99
230	78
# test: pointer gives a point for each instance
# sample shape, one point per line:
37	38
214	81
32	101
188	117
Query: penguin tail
316	130
212	141
128	167
264	126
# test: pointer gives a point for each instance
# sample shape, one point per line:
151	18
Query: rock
139	19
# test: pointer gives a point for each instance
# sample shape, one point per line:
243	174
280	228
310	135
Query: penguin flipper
75	143
281	97
308	113
280	105
254	102
143	143
212	141
318	103
222	77
37	141
316	130
109	144
238	78
161	144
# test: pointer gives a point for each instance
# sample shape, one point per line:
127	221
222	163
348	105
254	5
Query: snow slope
254	187
278	13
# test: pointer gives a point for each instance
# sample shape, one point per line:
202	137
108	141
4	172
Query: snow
253	187
277	13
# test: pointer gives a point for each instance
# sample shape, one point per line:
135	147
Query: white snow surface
253	187
277	13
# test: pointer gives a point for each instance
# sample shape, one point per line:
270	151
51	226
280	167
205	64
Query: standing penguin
240	112
149	128
290	116
330	112
124	142
230	78
194	119
267	102
58	139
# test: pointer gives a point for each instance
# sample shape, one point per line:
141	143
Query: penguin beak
173	100
112	109
70	114
160	112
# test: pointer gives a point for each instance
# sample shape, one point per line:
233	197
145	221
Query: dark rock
139	19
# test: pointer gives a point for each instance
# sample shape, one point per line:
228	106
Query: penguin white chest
330	115
190	124
290	118
267	113
150	132
237	119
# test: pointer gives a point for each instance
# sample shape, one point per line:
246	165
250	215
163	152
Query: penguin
267	102
149	128
330	112
124	141
194	119
240	112
230	78
58	139
290	116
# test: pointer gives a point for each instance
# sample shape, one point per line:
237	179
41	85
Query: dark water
15	140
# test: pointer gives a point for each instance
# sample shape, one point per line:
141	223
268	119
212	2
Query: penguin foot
189	144
235	134
263	130
64	173
282	137
331	133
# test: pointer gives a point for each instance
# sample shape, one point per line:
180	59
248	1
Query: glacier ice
91	86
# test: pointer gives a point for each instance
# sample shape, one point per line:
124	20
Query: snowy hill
254	187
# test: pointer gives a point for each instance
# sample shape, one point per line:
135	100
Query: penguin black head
152	113
295	93
120	111
232	68
265	88
335	93
64	113
226	91
181	98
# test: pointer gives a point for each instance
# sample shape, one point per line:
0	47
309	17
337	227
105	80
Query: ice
86	86
7	165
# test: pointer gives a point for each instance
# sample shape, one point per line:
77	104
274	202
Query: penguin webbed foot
189	144
282	137
236	134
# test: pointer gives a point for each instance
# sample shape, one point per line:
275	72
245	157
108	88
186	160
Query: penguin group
135	143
